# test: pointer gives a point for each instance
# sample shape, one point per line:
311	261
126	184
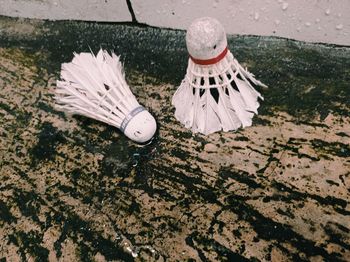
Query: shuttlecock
217	93
95	87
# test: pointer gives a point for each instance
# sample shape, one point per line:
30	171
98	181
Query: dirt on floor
74	189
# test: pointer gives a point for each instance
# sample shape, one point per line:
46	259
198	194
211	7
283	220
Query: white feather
95	87
232	109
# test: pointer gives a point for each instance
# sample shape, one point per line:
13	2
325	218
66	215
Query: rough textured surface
88	10
75	189
325	21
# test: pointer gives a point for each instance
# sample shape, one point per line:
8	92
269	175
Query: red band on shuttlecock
210	61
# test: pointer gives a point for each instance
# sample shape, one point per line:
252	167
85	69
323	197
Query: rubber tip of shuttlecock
205	38
141	127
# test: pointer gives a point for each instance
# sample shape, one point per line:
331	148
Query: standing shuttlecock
95	87
217	93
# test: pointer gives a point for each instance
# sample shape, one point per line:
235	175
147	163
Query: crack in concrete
132	13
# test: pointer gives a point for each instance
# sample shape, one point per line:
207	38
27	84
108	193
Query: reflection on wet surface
76	189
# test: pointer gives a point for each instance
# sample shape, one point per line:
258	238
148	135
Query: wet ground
73	189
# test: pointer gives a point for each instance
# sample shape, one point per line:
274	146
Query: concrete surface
73	189
91	10
325	21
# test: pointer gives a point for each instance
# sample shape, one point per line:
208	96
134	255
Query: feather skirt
216	97
95	87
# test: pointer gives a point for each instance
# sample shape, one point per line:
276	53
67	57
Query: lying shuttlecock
95	87
217	93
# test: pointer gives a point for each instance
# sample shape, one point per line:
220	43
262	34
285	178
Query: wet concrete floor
74	189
